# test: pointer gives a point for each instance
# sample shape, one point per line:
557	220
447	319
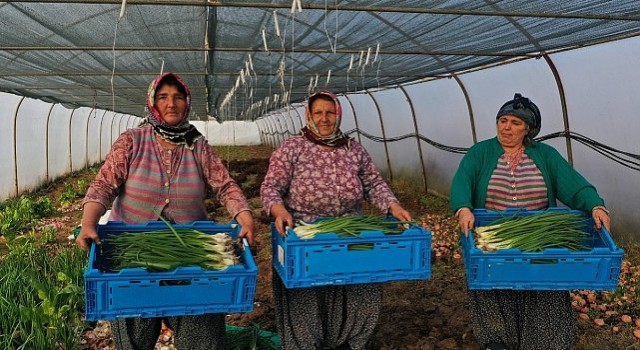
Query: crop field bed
421	314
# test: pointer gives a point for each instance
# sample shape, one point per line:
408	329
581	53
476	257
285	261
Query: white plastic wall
599	84
235	133
30	132
8	107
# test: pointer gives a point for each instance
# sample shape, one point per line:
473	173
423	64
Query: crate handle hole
166	283
543	261
360	246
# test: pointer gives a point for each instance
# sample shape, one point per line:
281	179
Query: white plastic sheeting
599	86
43	141
229	133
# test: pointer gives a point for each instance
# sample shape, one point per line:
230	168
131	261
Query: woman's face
323	114
171	104
511	131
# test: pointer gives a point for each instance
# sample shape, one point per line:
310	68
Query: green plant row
21	214
41	293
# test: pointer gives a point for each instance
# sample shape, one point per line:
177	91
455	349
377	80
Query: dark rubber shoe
495	346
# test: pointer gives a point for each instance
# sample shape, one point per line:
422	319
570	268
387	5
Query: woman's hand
283	219
601	217
466	220
245	219
91	213
399	212
87	235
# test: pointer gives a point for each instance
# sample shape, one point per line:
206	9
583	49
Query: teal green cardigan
564	183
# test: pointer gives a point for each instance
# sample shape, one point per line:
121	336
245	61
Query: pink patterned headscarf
184	132
310	131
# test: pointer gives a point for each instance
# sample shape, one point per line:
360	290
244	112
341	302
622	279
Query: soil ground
424	315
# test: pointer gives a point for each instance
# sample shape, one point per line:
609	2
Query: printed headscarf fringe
183	133
310	131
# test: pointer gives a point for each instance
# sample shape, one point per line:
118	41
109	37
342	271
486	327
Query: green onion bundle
349	226
165	250
535	233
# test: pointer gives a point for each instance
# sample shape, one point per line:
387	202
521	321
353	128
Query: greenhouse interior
419	82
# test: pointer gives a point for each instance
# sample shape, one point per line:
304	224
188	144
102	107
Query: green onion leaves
535	233
349	226
165	250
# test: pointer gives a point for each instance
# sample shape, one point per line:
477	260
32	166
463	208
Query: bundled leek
165	250
349	226
535	233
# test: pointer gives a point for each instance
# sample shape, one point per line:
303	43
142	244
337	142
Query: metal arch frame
46	144
563	104
384	134
120	118
302	121
100	137
73	111
270	132
111	128
280	132
556	75
293	124
86	138
15	146
418	141
258	123
467	100
355	117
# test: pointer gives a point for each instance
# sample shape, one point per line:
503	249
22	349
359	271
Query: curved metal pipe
86	138
73	111
384	134
417	132
46	144
355	117
15	147
563	104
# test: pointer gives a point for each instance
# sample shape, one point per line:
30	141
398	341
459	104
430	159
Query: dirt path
430	314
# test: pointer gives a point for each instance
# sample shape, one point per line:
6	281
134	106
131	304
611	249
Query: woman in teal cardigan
512	171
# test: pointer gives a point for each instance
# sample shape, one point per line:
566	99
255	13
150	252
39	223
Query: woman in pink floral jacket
324	173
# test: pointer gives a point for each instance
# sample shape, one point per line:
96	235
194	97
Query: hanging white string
122	8
264	40
113	51
275	22
375	57
293	37
332	45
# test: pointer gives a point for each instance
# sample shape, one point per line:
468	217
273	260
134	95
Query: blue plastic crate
328	259
551	269
136	292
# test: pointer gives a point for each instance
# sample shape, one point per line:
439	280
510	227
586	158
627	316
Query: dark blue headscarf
524	109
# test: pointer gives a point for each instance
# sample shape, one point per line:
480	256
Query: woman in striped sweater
163	168
512	171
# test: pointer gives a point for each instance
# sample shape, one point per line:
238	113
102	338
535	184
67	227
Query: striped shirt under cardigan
522	188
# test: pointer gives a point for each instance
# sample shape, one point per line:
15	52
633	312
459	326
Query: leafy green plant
39	288
66	198
72	192
17	216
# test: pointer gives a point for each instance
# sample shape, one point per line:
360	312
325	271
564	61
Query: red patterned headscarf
310	131
184	132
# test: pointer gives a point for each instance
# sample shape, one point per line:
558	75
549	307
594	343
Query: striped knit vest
149	190
524	188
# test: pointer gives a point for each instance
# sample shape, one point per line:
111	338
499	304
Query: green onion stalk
535	233
165	250
350	226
